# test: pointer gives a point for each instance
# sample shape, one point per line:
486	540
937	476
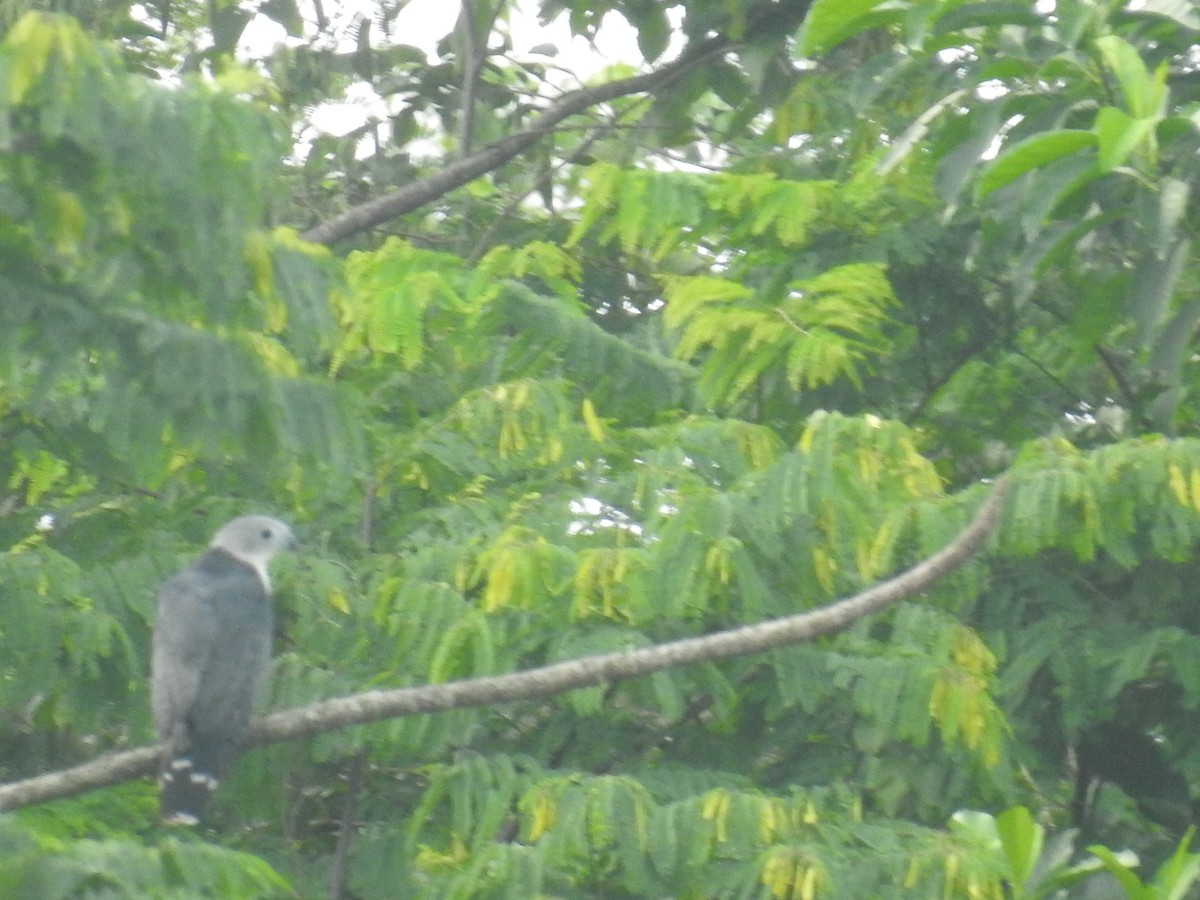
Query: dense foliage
542	368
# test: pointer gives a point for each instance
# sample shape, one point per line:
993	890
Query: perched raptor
212	642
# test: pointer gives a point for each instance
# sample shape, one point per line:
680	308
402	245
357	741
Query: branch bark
373	706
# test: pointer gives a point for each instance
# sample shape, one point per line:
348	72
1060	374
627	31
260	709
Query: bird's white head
254	540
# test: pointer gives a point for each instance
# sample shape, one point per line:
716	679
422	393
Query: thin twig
339	869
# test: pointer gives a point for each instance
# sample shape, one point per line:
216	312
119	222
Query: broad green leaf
653	32
829	22
1022	839
1122	871
1033	153
1154	283
1144	93
1119	136
1176	876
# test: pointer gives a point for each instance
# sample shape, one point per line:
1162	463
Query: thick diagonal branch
373	706
456	174
769	19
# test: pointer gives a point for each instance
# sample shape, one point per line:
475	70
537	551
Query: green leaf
830	22
1119	136
1033	153
1121	870
1022	839
1153	285
653	31
1144	93
286	13
1175	877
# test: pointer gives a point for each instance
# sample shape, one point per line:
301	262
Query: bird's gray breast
212	641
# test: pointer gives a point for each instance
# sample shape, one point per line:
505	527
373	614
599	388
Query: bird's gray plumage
212	642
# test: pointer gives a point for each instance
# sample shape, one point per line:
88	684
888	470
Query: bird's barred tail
186	782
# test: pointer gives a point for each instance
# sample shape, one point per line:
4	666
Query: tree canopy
551	372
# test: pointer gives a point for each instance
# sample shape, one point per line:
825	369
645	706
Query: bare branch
593	670
456	174
339	871
106	770
769	19
472	55
373	706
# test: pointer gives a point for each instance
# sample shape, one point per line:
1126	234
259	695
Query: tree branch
456	174
339	871
472	54
769	19
373	706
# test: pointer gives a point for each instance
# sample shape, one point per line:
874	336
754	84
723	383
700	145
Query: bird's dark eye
266	534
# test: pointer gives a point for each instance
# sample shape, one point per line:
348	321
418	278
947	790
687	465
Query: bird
209	654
